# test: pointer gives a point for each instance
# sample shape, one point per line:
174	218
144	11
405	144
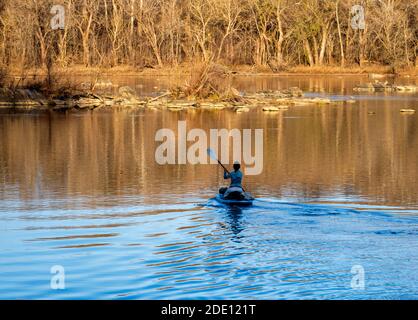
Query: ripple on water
274	250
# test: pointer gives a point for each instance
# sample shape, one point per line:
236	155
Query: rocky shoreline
30	99
267	101
378	86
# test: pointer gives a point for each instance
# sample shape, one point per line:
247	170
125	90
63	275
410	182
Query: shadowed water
338	190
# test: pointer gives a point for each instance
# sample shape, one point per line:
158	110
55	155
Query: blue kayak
243	203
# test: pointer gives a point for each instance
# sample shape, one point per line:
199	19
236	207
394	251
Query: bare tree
203	13
84	13
229	13
161	32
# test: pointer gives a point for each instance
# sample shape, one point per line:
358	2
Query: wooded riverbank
266	33
207	86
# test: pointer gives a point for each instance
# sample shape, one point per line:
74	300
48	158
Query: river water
338	194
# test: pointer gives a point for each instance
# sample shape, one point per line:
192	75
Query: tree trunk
340	35
86	51
309	52
316	51
279	43
131	32
361	47
324	43
42	48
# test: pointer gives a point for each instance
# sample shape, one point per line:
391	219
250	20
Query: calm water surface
339	189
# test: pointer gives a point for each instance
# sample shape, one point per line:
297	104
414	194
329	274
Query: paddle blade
212	154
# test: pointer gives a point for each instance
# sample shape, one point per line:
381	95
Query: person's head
237	165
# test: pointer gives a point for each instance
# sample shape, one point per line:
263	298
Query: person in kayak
235	189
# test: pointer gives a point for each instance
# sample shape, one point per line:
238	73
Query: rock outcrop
384	87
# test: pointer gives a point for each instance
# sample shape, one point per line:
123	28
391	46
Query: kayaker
236	180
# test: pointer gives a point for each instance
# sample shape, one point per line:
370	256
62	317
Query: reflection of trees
323	149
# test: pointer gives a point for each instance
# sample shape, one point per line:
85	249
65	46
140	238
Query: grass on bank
190	68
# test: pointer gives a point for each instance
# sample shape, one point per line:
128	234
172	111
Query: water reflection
83	191
310	153
234	216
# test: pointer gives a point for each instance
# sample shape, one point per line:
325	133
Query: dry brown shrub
54	84
210	81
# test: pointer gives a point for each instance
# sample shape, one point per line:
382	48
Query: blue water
83	191
195	248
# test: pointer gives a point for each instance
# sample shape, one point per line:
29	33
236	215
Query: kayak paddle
212	154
